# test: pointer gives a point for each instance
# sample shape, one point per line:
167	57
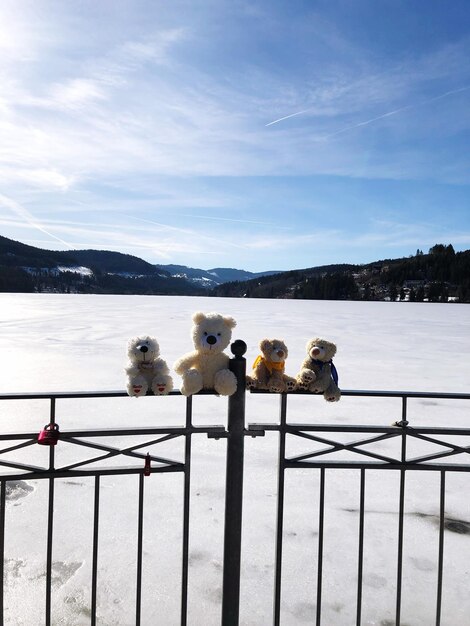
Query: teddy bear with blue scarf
318	373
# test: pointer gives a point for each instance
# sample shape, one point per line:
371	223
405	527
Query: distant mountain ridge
25	268
442	275
213	277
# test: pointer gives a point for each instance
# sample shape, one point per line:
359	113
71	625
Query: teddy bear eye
205	333
218	334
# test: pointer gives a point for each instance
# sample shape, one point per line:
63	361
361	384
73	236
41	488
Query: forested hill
439	276
25	268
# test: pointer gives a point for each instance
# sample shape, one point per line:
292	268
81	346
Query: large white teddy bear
207	366
146	370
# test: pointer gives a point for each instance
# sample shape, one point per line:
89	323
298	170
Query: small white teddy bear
146	370
207	366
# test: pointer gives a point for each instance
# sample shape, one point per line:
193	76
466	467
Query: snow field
76	342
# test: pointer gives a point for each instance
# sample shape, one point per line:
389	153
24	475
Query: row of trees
441	264
435	292
13	279
337	286
433	277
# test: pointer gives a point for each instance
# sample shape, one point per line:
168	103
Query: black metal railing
322	458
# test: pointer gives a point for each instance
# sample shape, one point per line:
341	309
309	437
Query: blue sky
258	135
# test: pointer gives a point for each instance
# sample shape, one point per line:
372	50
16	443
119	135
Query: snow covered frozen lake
78	343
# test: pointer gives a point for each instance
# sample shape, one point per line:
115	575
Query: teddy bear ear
311	343
198	317
229	321
331	348
264	344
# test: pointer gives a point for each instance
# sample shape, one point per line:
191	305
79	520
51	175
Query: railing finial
238	348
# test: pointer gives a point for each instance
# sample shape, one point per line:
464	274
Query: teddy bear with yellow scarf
268	368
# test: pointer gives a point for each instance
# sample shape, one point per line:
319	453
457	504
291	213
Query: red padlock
49	435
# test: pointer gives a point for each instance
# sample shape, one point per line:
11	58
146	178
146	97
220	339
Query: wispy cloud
231	219
25	215
377	235
194	235
186	116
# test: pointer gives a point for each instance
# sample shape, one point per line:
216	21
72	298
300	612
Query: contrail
374	119
346	89
286	117
25	215
409	106
227	219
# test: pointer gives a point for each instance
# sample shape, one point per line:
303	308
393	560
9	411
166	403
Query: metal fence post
234	490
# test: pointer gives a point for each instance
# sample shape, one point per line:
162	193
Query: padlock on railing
49	435
147	466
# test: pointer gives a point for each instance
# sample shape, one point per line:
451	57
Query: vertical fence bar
94	569
234	490
2	546
50	524
401	512
321	517
361	548
140	537
280	509
186	504
440	566
50	520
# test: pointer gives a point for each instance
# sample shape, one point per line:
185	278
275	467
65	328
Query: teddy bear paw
316	388
137	388
162	387
192	382
276	386
291	385
332	396
307	376
250	383
225	383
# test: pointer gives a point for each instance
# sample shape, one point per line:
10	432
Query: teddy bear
317	372
207	366
268	369
146	370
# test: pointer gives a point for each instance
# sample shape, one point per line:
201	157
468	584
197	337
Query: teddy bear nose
316	351
143	349
211	340
280	353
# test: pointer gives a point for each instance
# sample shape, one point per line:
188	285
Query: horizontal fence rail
323	438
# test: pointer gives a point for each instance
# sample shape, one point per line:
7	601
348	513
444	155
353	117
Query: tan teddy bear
268	369
207	366
317	373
